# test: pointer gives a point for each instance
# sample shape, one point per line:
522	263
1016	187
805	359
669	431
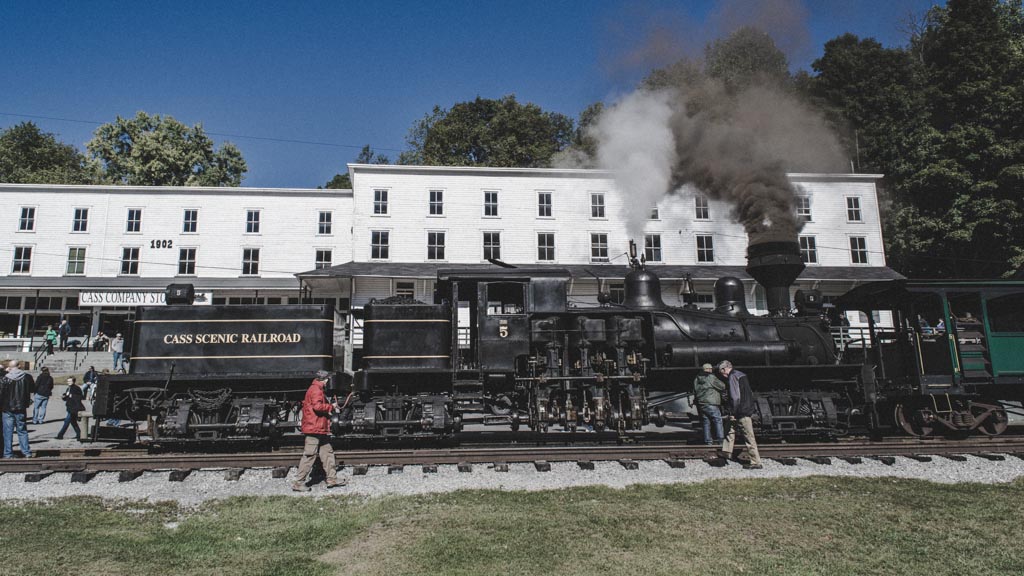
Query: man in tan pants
316	425
742	399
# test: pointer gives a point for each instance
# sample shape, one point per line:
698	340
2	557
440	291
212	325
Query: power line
222	134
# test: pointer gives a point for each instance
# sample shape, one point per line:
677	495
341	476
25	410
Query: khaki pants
317	446
748	437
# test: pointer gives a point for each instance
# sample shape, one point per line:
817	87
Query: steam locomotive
531	360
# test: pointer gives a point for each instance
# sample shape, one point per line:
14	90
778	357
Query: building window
617	293
598	247
27	222
491	203
129	261
22	260
81	221
492	245
379	244
597	205
655	213
187	262
76	261
323	259
544	204
190	221
853	209
704	301
405	289
437	202
323	226
250	261
252	222
701	207
545	246
803	208
705	248
652	247
134	222
435	245
808	250
858	250
380	202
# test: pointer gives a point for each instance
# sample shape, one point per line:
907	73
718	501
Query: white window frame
406	288
254	263
597	206
808	249
701	208
435	208
129	221
380	201
30	220
800	208
488	204
79	261
84	220
432	236
598	246
552	247
127	261
325	226
655	214
857	209
252	225
493	246
548	206
653	253
385	245
185	221
195	258
862	249
24	263
705	250
319	263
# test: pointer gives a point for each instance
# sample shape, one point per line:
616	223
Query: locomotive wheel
995	424
911	421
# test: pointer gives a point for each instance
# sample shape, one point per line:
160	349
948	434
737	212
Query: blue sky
354	73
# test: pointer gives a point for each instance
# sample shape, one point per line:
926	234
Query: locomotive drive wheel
913	421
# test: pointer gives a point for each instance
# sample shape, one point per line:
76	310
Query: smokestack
775	265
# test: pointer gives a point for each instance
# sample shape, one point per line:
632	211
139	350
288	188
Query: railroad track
89	461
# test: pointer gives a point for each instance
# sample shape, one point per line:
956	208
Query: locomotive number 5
503	330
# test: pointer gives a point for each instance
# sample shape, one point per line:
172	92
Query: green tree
366	156
31	156
485	132
154	150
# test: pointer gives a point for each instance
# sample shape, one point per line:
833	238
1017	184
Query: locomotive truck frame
531	360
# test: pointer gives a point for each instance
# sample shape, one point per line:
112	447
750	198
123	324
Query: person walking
64	331
73	402
41	397
117	349
51	338
15	397
89	380
316	425
707	391
742	399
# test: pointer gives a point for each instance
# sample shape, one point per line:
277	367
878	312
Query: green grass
803	526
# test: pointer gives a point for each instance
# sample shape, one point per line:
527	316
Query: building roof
126	283
201	190
610	271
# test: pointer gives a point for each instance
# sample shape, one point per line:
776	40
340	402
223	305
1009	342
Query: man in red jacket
316	425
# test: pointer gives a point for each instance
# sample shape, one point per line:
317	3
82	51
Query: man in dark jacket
15	397
707	391
316	425
44	389
742	399
64	330
73	402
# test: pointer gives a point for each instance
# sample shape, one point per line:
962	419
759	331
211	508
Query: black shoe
60	437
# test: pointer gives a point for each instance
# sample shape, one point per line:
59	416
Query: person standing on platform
15	397
316	425
64	331
51	338
707	391
117	349
742	400
73	401
44	389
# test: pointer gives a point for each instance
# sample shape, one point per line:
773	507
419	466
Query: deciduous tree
30	156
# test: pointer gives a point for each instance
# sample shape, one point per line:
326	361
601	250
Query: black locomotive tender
531	360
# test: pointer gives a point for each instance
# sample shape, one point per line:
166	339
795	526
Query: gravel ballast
203	485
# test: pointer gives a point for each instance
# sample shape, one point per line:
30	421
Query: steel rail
478	455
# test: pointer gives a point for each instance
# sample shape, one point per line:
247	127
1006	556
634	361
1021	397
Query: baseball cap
708	367
322	374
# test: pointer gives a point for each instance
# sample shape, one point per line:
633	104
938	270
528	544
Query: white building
90	252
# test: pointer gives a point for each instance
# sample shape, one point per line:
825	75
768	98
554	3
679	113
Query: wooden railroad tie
179	475
542	466
887	460
676	463
501	466
955	457
585	465
629	464
785	460
128	475
37	476
233	474
360	470
822	460
717	462
852	459
396	468
991	457
83	476
430	468
919	458
464	467
280	472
